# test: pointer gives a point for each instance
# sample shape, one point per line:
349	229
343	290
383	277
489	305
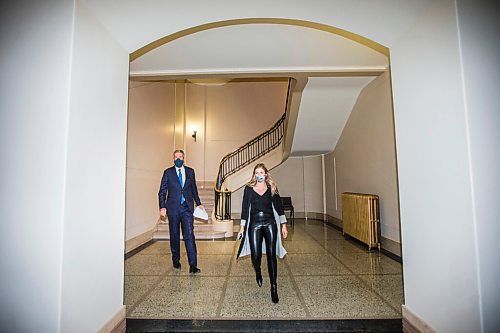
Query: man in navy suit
177	195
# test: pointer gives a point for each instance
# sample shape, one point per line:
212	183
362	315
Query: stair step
196	222
198	234
200	227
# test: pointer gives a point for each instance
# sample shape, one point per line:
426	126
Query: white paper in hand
200	213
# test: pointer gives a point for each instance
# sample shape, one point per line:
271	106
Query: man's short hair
179	151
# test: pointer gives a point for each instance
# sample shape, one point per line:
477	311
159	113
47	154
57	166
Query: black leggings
264	228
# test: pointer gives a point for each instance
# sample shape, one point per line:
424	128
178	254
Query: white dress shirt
183	172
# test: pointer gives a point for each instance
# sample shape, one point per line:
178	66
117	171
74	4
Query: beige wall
195	120
225	117
365	158
150	143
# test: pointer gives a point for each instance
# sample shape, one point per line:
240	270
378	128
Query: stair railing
244	156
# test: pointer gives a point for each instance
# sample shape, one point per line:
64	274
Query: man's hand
201	206
163	212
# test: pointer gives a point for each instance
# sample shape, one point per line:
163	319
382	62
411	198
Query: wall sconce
194	135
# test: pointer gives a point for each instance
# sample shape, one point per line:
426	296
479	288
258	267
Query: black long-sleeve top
261	203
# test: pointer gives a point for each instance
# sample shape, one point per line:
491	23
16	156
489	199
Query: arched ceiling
337	68
259	48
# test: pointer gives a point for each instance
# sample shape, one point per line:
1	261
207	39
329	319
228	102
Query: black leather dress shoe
177	265
194	269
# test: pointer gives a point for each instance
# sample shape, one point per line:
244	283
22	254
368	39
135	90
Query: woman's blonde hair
269	179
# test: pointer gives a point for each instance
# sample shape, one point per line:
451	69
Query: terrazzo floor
323	276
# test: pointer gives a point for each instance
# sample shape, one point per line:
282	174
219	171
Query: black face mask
178	162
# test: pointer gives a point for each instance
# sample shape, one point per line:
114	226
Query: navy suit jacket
170	192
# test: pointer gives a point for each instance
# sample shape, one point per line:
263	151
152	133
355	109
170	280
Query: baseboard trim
139	240
117	324
391	246
333	221
413	323
138	249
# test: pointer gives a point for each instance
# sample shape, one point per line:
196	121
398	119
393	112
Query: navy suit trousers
184	219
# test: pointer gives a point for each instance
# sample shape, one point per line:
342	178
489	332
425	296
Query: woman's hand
284	230
240	233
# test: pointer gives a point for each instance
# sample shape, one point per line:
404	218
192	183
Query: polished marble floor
323	276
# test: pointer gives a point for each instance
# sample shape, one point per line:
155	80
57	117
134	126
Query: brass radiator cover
361	217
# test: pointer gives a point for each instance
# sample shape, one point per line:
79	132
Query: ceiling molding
259	73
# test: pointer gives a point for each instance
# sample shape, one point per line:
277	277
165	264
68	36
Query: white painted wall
331	193
437	220
325	106
34	95
479	30
63	120
136	24
289	177
94	201
313	184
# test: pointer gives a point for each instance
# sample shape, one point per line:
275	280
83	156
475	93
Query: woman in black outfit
261	213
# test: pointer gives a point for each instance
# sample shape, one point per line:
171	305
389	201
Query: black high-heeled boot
274	293
258	278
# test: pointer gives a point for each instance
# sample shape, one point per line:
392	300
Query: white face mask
260	178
